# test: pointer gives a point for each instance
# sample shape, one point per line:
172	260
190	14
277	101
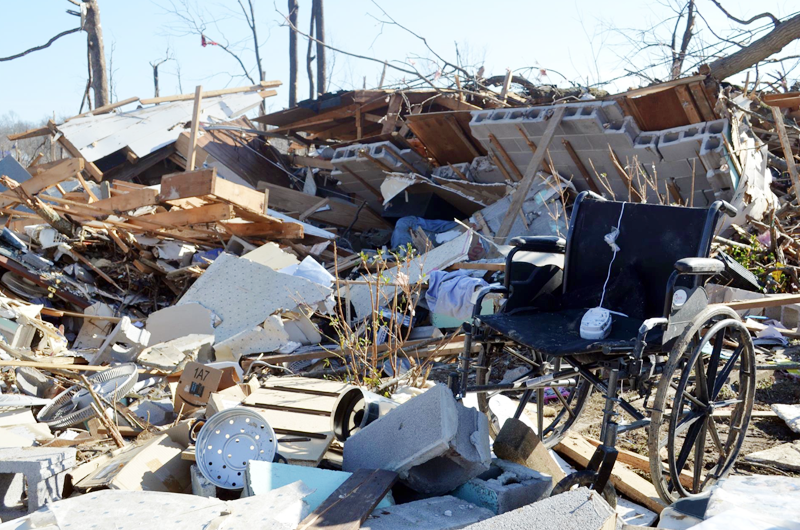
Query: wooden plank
191	153
307	161
270	230
782	100
635	196
688	104
213	93
277	399
642	463
128	201
788	154
624	479
306	384
63	170
392	114
478	266
507	159
579	164
210	213
768	301
295	421
204	182
321	204
706	110
30	133
352	502
105	108
90	167
86	188
525	185
506	86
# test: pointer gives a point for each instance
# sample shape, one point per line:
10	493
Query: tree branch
750	21
42	47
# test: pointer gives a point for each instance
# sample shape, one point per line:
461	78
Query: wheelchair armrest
540	243
699	266
476	310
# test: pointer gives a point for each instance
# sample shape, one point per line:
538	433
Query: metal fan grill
74	405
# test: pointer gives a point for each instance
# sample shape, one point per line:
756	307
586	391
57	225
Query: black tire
698	381
586	478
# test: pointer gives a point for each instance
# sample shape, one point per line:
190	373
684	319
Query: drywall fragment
272	256
43	470
94	331
168	355
123	344
178	321
516	442
268	337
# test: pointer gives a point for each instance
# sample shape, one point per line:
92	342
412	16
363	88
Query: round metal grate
228	440
74	405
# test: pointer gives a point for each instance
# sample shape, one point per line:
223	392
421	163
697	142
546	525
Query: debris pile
266	313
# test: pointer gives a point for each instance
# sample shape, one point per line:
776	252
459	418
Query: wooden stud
192	152
483	225
579	164
788	154
506	86
674	191
214	93
521	193
210	213
455	170
86	188
453	123
321	204
503	153
687	103
532	146
706	111
52	176
359	124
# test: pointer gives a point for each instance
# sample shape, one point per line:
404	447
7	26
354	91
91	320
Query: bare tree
319	20
293	11
155	65
679	54
90	23
309	53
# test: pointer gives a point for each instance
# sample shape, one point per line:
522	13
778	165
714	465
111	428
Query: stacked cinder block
686	158
448	172
38	470
505	487
349	160
433	442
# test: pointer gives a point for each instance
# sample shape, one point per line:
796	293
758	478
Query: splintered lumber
525	185
50	175
128	201
351	503
627	482
210	213
105	109
623	175
63	225
271	230
191	153
31	133
212	93
206	185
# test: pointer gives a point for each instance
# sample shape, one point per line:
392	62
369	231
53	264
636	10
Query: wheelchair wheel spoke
713	362
712	429
539	411
723	375
564	403
701	384
688	443
699	456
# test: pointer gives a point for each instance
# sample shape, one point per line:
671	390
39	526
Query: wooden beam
674	191
532	146
270	230
90	167
521	193
642	463
86	188
205	183
579	164
635	196
105	109
768	301
699	95
504	154
213	93
392	114
30	133
61	171
191	152
788	154
453	122
506	86
210	213
687	103
128	201
321	204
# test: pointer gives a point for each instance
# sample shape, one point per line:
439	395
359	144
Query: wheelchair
691	364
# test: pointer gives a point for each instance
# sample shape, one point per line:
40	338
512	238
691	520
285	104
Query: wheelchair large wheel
703	405
554	428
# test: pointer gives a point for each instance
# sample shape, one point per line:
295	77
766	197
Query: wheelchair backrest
651	239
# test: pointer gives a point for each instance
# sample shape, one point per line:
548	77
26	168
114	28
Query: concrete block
790	316
713	152
721	181
483	171
583	120
579	509
263	477
674	144
678	169
478	124
434	443
612	111
43	470
718	127
620	136
438	513
32	382
645	148
448	173
517	443
505	487
201	486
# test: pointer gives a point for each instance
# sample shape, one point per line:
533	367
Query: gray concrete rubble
580	509
505	487
434	443
37	471
517	443
437	513
201	486
790	414
785	456
33	382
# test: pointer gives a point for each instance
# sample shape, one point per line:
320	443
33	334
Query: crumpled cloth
431	227
450	293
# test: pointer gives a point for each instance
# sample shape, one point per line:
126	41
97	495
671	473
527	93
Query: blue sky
571	37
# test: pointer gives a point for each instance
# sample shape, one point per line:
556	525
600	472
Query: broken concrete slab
178	321
264	477
170	354
437	513
505	487
244	293
785	456
516	442
43	470
764	495
33	382
434	443
790	414
579	509
201	486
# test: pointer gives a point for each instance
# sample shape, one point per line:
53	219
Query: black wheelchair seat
558	334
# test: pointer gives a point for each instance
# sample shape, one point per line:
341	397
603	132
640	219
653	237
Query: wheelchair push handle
727	208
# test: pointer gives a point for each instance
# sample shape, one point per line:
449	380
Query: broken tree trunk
770	44
97	56
322	66
293	7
